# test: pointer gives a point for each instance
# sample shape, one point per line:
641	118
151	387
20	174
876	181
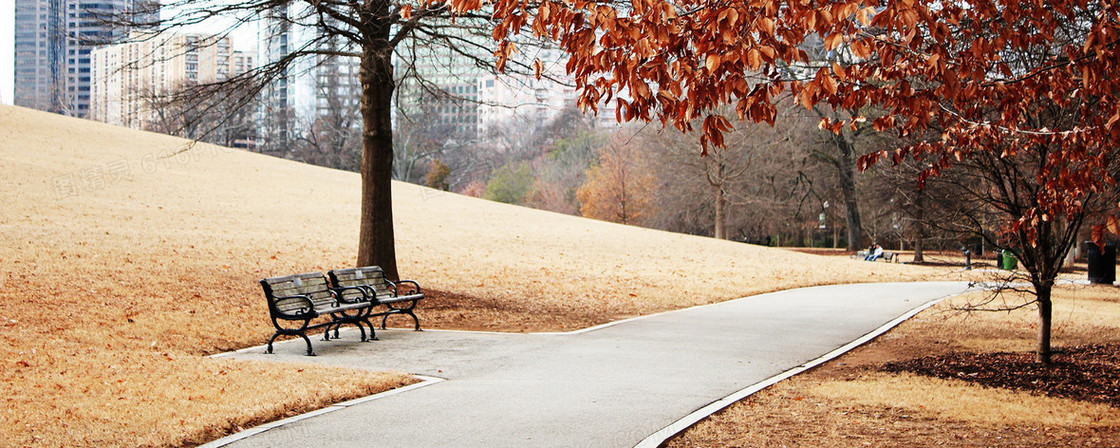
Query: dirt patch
1085	373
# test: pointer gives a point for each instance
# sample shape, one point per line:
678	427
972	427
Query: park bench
398	297
889	257
309	300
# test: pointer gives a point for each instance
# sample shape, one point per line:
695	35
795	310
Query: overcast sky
7	49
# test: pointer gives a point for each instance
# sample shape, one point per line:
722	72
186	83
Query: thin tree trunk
1045	308
376	244
919	228
847	170
721	204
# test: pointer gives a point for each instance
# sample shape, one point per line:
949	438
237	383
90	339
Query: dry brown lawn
126	257
853	402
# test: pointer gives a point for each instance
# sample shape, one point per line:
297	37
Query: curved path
609	386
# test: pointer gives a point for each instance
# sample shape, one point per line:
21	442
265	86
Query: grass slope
127	256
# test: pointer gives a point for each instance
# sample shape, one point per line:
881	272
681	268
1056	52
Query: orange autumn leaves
677	61
952	77
620	187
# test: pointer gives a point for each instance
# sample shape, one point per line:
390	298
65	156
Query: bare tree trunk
845	166
376	244
919	250
721	218
1045	309
919	228
847	169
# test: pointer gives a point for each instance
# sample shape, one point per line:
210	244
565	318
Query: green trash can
1008	260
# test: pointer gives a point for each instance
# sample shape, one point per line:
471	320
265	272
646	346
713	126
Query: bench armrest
340	298
405	287
306	312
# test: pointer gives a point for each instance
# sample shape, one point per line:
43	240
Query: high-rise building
130	80
478	104
242	61
521	101
53	42
441	84
439	81
312	94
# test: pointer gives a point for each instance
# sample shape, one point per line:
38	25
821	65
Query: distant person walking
874	252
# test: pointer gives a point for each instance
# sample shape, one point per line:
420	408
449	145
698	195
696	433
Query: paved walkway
608	386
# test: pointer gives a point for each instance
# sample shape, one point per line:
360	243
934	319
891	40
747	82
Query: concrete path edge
424	381
658	438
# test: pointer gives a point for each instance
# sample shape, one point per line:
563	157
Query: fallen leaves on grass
852	402
1084	372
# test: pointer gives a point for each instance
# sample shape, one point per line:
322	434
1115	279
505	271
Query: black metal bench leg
372	332
308	341
415	320
361	329
270	340
268	350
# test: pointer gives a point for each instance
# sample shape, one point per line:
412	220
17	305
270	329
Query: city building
310	88
450	85
441	85
522	101
132	81
54	40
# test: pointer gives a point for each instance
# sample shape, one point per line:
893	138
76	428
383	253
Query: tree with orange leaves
1024	92
620	188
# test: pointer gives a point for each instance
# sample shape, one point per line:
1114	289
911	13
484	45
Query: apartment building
54	40
131	80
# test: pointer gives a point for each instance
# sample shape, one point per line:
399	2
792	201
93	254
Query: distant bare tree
747	190
725	171
839	151
334	137
191	112
423	136
566	148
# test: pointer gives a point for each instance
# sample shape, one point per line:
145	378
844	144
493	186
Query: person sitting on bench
874	252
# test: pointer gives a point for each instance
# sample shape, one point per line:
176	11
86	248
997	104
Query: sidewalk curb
424	382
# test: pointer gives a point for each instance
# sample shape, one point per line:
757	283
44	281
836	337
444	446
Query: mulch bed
1084	372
